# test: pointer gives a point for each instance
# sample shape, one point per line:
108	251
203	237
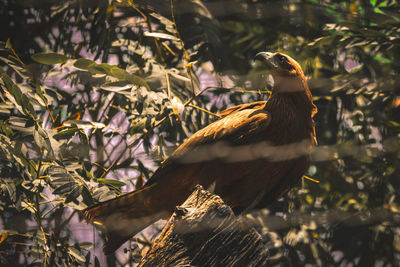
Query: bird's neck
293	111
292	95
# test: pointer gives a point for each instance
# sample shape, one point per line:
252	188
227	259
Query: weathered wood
205	232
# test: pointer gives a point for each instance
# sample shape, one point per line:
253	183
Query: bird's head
286	72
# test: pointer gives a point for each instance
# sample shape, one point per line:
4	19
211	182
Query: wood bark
204	231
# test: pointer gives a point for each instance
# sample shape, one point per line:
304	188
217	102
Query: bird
252	155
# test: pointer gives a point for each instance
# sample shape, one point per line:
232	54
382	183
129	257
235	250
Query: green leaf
41	138
49	58
12	191
76	254
87	197
66	133
5	129
114	71
7	81
123	75
73	194
68	187
102	68
22	102
85	245
17	94
39	92
8	44
83	63
111	182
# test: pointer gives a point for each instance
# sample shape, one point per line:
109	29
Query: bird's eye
282	59
284	62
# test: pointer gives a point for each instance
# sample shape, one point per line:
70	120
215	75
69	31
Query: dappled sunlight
96	96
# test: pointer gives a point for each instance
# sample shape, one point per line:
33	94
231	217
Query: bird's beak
268	59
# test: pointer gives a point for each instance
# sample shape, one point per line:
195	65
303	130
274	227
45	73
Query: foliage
93	96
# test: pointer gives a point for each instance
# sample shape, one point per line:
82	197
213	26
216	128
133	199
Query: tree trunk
205	232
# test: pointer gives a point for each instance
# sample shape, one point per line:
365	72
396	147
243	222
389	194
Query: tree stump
205	232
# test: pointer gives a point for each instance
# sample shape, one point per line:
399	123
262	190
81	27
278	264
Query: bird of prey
251	156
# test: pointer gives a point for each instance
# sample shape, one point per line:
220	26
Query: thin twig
311	179
196	95
177	32
17	57
204	110
138	10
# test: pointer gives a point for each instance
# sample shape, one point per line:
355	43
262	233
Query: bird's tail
123	217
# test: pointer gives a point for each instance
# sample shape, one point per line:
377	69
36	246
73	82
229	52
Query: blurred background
95	94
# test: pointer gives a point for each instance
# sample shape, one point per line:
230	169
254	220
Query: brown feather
252	155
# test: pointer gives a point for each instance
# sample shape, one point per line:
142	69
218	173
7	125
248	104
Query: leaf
111	182
39	92
3	236
103	193
56	181
83	63
102	68
83	138
74	194
76	254
12	191
66	133
84	124
49	58
20	100
16	93
125	76
161	35
116	86
85	245
87	197
68	187
41	138
111	70
8	44
7	81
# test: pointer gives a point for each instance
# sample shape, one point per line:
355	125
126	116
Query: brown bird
251	156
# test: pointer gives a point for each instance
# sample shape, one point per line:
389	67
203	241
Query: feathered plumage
254	154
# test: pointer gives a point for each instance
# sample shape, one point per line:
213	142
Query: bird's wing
236	128
253	105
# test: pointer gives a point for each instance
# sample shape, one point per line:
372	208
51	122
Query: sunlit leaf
76	254
66	133
117	86
49	58
111	182
161	35
125	76
83	63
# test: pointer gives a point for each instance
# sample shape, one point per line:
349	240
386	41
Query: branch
205	232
